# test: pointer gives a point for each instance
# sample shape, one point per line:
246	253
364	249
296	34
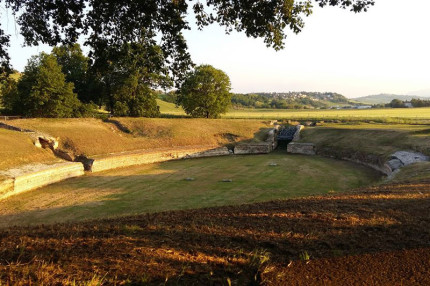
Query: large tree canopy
205	92
111	23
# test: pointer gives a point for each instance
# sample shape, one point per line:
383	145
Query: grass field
386	115
395	115
170	108
162	187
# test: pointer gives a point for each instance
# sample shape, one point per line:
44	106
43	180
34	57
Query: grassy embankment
163	186
375	139
95	137
18	149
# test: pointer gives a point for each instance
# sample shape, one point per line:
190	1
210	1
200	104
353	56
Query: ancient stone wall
6	187
148	157
222	151
52	174
299	128
301	148
24	181
252	148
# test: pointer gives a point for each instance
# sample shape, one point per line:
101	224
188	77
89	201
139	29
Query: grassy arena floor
370	236
162	187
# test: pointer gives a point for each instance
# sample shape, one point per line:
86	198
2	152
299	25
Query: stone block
409	157
395	164
260	148
222	151
301	148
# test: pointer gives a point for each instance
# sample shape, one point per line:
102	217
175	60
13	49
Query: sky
384	50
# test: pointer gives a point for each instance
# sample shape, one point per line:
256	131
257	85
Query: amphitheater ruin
37	175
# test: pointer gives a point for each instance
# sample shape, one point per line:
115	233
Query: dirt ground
372	236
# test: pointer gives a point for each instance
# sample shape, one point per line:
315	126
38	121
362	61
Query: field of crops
395	115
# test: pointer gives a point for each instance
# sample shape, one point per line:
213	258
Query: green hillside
169	108
386	98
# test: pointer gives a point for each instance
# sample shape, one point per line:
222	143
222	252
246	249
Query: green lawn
162	187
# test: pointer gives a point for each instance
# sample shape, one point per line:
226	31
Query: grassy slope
161	187
94	137
169	108
18	149
375	139
414	173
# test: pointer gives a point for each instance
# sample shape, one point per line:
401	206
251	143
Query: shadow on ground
375	235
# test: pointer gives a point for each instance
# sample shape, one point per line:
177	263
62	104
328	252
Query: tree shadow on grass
212	245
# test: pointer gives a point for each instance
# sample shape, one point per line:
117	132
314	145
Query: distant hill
290	100
422	92
386	98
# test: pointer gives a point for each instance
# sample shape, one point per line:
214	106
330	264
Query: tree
74	64
397	103
9	95
127	84
205	92
44	92
112	23
135	99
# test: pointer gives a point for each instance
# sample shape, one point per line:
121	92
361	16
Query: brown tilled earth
373	236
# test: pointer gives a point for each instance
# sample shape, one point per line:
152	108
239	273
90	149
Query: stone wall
256	148
50	174
6	187
299	128
148	157
301	148
222	151
271	138
30	179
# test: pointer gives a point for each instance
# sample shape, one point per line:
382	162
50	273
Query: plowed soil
373	236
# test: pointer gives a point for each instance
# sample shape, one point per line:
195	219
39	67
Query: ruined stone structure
147	157
253	148
6	187
21	180
301	148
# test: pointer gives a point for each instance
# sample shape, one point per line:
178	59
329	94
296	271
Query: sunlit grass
393	115
161	187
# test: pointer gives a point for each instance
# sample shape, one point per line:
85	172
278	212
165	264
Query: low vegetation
184	184
370	236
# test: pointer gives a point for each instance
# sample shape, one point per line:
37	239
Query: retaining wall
301	148
256	148
148	157
6	187
39	178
